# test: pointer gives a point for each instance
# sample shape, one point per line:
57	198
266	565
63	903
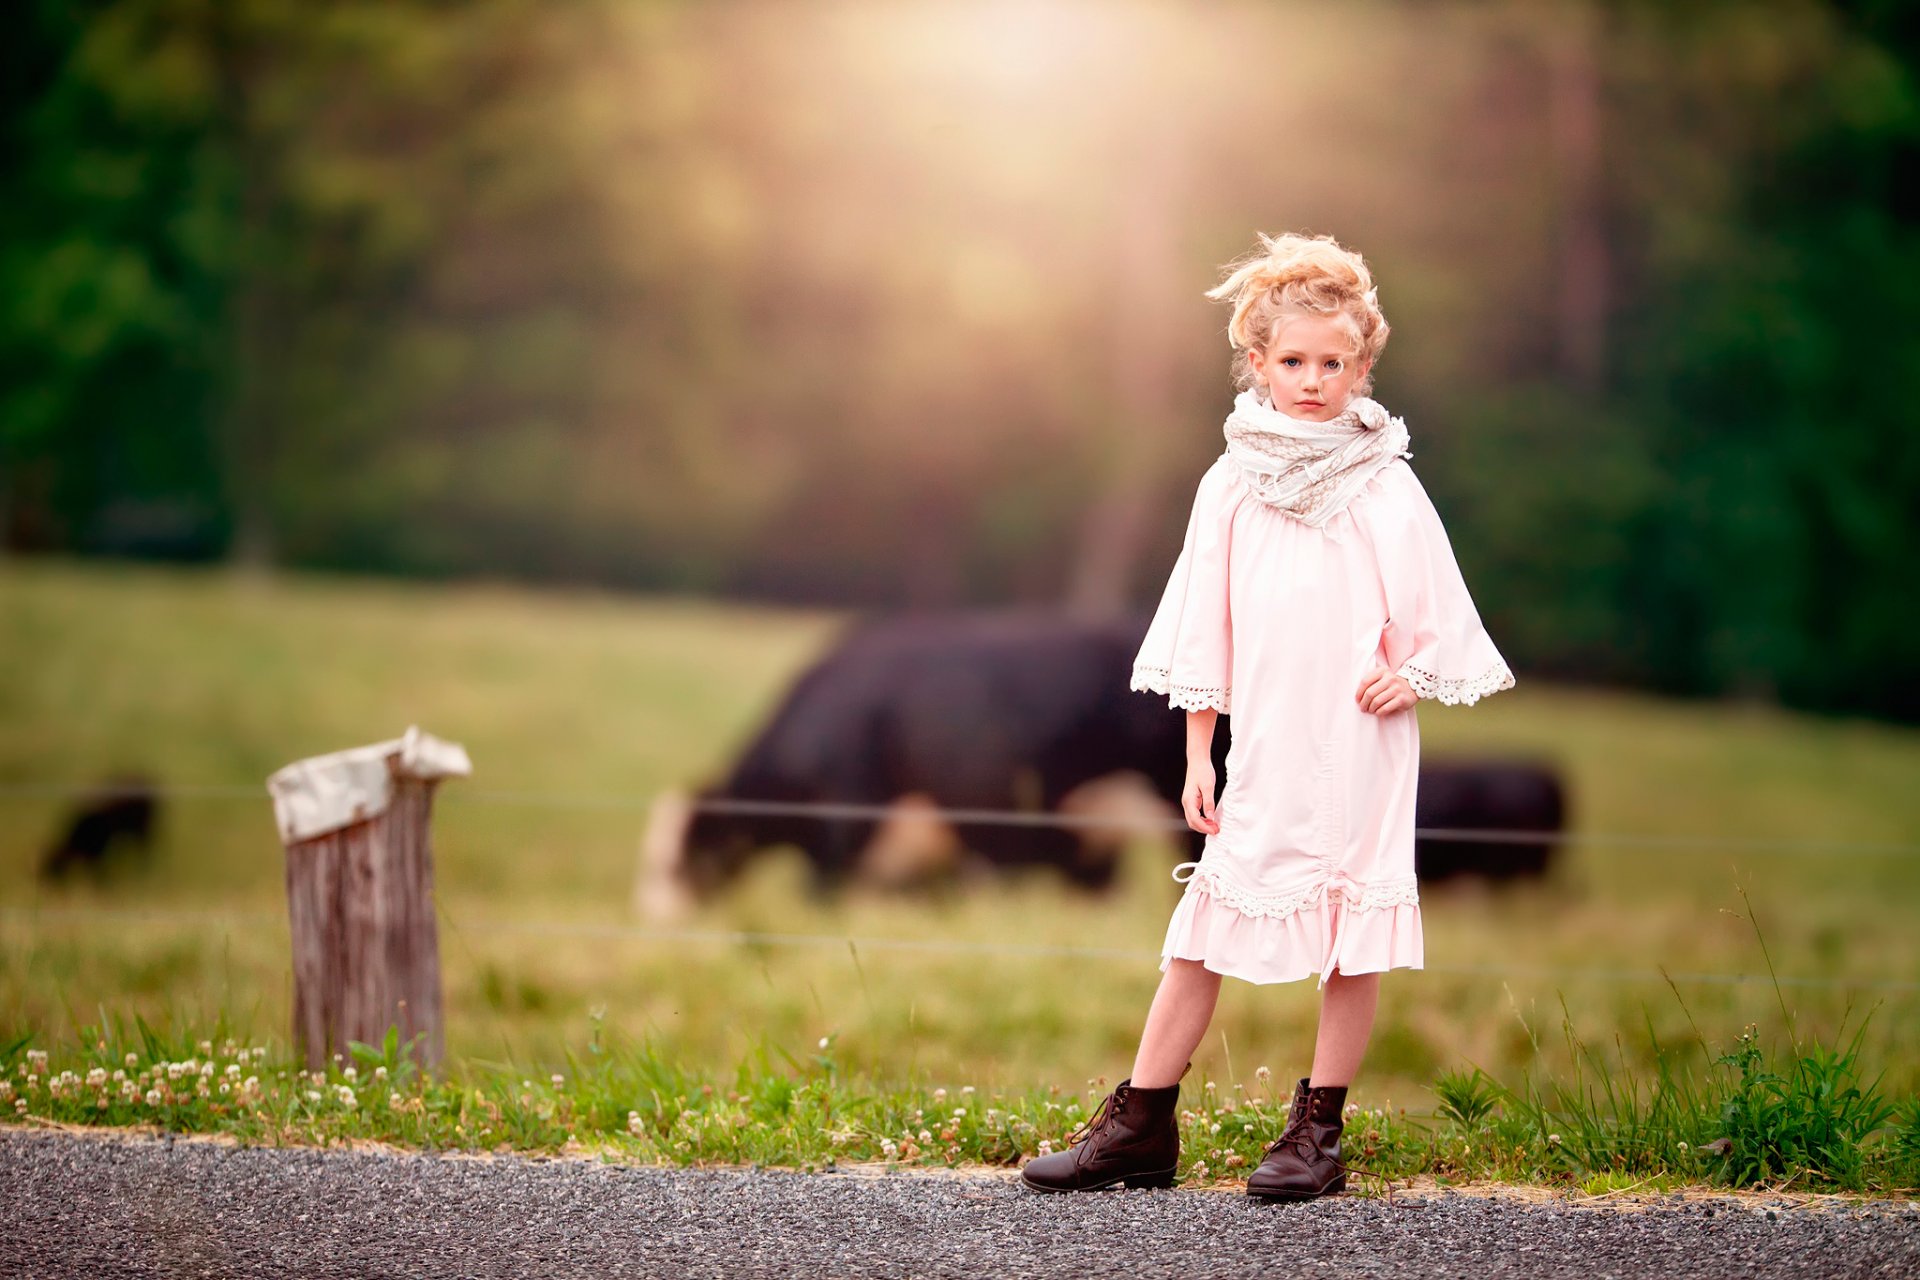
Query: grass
577	707
1743	1119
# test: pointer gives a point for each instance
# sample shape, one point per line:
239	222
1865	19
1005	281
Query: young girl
1316	600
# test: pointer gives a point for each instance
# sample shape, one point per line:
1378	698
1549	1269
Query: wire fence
839	811
830	811
610	932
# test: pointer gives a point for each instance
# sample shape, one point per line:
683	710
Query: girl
1316	600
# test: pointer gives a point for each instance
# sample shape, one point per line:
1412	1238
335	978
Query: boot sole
1160	1181
1295	1197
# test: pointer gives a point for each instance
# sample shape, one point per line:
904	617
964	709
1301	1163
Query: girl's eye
1290	361
1334	365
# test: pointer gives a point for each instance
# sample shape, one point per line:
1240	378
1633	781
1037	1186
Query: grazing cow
1002	711
1511	796
116	815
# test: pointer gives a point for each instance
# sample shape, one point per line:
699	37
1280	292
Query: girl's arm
1196	796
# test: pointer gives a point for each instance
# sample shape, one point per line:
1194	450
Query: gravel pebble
111	1206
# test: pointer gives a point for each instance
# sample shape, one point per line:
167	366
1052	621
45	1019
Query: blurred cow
1002	711
114	819
1495	796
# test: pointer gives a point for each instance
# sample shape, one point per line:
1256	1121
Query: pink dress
1275	621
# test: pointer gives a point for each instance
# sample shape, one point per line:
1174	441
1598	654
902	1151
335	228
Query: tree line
900	306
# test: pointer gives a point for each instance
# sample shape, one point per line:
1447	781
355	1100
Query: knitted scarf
1310	470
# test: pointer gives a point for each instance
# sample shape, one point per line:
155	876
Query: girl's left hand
1382	693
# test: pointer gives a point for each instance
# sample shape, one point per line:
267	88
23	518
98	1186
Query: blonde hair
1290	274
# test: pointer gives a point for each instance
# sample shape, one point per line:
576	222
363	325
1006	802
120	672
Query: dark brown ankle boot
1304	1163
1132	1137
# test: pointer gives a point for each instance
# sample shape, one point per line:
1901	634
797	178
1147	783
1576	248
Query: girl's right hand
1196	798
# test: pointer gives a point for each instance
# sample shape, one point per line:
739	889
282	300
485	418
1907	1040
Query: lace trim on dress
1188	697
1378	896
1468	691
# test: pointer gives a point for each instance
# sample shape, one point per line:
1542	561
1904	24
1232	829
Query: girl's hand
1196	798
1382	693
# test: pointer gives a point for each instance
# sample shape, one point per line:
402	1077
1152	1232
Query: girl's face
1310	366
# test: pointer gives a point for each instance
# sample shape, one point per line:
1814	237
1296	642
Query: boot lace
1101	1117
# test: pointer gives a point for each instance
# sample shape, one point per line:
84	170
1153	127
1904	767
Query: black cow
1000	711
118	815
1495	796
1006	711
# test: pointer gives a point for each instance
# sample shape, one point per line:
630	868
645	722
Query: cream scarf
1310	470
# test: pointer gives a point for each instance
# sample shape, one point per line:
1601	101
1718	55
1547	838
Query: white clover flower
1046	1147
393	1100
20	1104
823	1041
1262	1074
233	1071
96	1077
6	1090
100	1103
1553	1139
966	1088
925	1136
206	1046
379	1073
313	1095
36	1062
119	1075
559	1081
225	1086
206	1068
251	1083
939	1095
347	1099
351	1073
1685	1147
153	1097
1214	1127
1200	1170
132	1061
959	1113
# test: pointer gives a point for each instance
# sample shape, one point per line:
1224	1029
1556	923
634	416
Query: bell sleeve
1433	638
1188	650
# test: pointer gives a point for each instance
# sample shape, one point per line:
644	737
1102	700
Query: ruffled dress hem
1369	931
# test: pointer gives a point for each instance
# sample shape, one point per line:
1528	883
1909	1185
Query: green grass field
576	707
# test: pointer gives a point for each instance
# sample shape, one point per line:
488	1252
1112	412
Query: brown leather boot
1132	1137
1304	1163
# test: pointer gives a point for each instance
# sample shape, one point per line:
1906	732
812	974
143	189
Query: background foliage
901	304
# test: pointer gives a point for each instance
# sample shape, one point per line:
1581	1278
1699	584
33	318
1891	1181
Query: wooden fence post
366	948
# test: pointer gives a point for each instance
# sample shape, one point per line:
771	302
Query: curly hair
1291	274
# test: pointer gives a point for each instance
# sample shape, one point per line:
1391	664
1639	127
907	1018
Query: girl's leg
1346	1021
1182	1008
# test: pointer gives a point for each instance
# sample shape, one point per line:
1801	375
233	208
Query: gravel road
107	1206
